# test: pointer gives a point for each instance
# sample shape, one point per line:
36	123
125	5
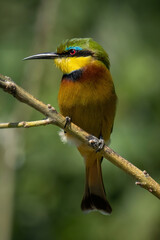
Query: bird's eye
72	52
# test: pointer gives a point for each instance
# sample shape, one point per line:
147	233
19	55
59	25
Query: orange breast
90	102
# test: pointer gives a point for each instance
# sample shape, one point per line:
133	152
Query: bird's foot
68	122
98	144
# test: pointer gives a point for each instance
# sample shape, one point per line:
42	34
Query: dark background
41	179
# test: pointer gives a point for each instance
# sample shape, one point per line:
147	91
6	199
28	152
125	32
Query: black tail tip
94	202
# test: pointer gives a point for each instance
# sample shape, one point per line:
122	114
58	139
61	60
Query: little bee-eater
87	96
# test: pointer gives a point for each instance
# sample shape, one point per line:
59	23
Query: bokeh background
41	179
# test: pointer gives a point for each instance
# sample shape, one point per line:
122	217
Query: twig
25	124
143	178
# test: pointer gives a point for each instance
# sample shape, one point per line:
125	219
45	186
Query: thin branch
142	177
25	124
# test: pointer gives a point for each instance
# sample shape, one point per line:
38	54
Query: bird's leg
101	143
68	122
98	144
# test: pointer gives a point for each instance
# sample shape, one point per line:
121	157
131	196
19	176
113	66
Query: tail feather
94	197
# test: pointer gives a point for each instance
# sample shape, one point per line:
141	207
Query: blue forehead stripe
76	48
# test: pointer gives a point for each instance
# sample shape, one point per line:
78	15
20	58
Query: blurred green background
41	179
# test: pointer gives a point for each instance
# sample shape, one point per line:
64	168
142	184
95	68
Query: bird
88	98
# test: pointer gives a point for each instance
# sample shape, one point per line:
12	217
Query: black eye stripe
84	53
79	53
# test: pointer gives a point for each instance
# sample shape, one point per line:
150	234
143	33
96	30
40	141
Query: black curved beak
47	55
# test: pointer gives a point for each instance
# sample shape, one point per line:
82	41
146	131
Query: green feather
86	44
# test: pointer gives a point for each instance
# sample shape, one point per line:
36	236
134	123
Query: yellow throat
71	64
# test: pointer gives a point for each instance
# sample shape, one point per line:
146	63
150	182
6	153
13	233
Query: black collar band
73	76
